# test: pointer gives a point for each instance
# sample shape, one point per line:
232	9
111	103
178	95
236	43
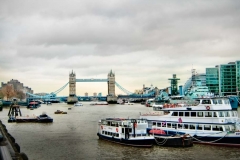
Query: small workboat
60	112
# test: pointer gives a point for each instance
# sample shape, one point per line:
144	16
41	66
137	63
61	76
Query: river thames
73	136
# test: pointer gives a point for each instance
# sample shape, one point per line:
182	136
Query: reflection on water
73	136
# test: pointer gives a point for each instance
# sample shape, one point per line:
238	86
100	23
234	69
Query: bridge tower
72	98
111	97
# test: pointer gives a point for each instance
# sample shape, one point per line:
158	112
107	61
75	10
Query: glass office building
224	79
212	80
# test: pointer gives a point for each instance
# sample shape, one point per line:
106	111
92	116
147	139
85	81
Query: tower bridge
111	83
111	97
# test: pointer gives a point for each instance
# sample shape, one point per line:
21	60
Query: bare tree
8	91
1	95
20	94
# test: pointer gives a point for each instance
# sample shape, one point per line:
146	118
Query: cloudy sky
143	42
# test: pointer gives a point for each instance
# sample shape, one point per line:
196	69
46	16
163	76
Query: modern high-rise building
224	79
212	81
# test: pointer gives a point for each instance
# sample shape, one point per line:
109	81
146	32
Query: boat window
122	130
208	114
200	114
103	132
227	114
232	113
175	114
154	123
163	124
181	114
169	125
214	114
219	101
226	101
108	123
117	135
215	101
227	128
193	114
104	122
186	114
130	129
113	134
207	127
221	128
197	102
186	126
158	124
113	124
180	126
220	114
235	114
199	127
215	128
192	126
174	125
206	101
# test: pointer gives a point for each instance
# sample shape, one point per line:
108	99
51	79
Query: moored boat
60	112
99	103
211	121
33	104
78	104
131	132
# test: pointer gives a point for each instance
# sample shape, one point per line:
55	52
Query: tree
20	94
1	95
8	91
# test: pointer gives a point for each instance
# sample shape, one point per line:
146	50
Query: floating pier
15	115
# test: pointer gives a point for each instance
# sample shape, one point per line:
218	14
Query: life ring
116	129
207	107
101	127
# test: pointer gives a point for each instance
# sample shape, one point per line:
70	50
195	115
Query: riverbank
9	149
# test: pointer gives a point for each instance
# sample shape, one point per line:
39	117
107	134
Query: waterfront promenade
9	149
73	136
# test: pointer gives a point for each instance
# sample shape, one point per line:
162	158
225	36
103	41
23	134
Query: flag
179	120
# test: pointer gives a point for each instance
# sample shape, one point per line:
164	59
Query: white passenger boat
211	121
99	103
78	104
132	132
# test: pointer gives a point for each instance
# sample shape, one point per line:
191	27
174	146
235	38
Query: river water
73	136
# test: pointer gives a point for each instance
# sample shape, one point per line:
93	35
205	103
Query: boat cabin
123	128
214	110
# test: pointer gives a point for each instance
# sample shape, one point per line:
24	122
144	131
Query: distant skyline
142	42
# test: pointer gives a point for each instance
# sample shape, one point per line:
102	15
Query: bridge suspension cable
50	94
123	89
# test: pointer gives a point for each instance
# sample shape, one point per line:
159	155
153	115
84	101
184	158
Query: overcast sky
143	42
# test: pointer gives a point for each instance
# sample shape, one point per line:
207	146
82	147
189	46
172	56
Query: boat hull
219	141
129	142
168	141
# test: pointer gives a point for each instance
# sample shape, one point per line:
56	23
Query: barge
43	118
